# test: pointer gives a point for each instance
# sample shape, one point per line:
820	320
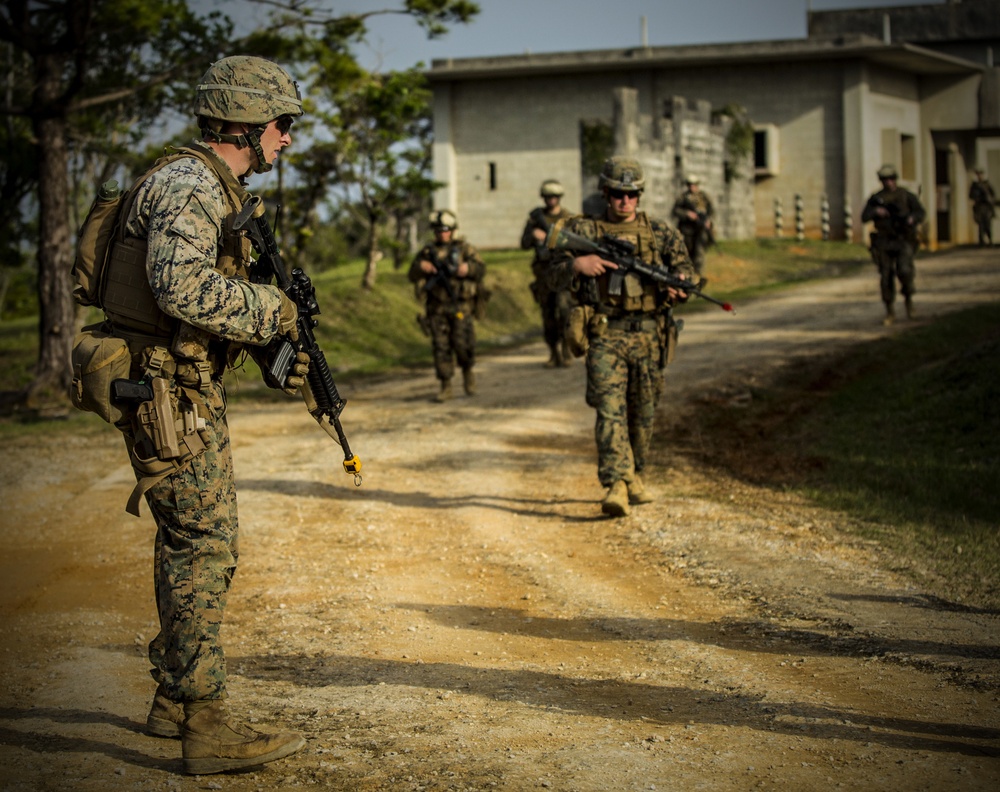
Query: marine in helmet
627	328
179	294
896	214
554	304
984	201
693	212
448	276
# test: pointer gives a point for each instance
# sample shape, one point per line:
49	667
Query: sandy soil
467	620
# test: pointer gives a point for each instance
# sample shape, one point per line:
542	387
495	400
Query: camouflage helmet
443	218
888	172
692	178
551	187
243	89
622	173
248	90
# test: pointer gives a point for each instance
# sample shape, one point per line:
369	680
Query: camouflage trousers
696	250
896	263
453	340
624	383
555	311
195	556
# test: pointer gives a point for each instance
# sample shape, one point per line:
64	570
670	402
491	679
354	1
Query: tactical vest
637	294
462	289
127	297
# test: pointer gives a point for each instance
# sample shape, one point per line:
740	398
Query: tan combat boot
212	742
890	315
445	393
615	503
469	382
165	716
637	493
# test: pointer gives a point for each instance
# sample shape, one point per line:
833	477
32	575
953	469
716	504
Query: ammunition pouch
168	434
577	332
98	359
670	329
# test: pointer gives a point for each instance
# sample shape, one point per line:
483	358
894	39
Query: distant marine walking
554	303
448	275
984	201
896	213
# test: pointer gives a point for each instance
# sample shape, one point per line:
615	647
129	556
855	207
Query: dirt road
466	620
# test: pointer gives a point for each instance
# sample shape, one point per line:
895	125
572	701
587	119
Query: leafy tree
377	154
88	76
83	69
382	131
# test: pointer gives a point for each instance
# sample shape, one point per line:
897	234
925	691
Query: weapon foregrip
323	388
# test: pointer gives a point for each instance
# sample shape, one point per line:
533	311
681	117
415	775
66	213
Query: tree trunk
374	254
56	314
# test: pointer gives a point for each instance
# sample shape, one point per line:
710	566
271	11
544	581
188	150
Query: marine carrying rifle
323	401
447	267
622	253
705	228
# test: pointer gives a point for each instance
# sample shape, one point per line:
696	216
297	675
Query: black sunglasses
283	123
619	194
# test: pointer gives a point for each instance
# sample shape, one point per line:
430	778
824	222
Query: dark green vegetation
902	435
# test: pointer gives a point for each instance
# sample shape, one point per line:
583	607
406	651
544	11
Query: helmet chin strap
249	139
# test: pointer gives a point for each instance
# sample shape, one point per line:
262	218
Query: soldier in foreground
180	305
896	213
554	304
626	327
693	214
448	274
983	206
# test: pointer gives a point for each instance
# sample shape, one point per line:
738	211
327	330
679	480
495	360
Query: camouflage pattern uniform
894	241
450	304
626	357
554	304
696	238
983	207
183	212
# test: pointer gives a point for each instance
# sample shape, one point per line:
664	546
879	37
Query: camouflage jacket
448	291
195	264
540	219
656	243
692	202
905	214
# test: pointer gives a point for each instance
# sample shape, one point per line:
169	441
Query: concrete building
827	111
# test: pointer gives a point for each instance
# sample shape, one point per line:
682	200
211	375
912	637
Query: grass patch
375	332
902	434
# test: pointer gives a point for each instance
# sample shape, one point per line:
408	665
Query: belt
633	324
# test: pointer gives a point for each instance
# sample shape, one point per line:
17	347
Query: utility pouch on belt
98	359
578	329
157	419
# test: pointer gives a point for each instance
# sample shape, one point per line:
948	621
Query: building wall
529	130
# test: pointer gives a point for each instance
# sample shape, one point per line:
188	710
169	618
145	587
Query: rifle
446	269
323	401
622	253
704	229
898	222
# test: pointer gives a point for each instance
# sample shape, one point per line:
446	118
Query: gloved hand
288	315
297	374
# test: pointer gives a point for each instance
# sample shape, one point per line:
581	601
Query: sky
514	27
